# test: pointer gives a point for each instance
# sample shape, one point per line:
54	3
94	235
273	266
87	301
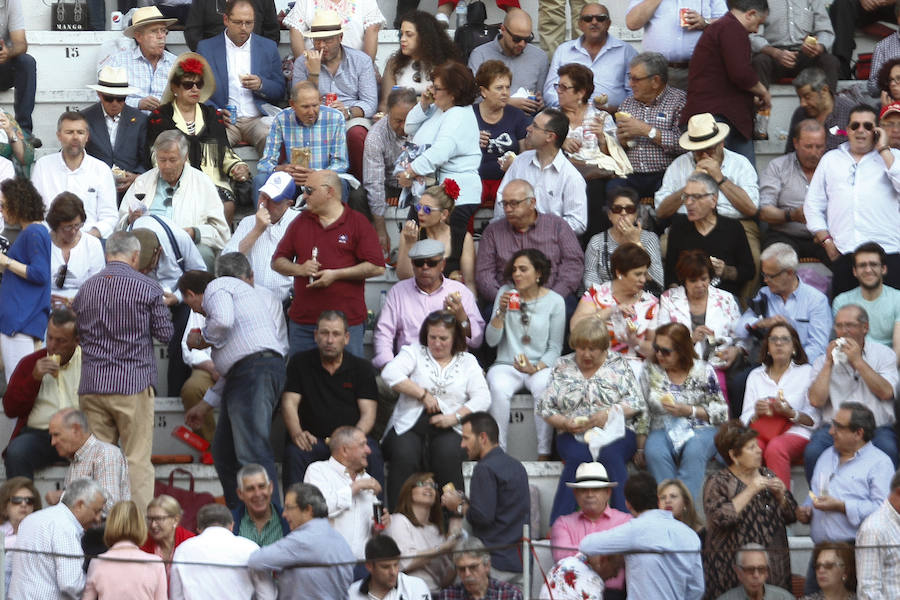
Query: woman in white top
776	392
439	383
362	22
74	255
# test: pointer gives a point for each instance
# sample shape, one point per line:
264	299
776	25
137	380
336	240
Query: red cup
515	302
330	99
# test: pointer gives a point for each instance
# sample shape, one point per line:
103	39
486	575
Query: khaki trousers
552	22
248	129
192	393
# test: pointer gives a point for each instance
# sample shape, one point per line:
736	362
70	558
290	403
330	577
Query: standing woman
25	288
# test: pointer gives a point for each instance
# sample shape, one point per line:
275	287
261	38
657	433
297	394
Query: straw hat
146	15
591	475
209	80
702	132
326	23
113	81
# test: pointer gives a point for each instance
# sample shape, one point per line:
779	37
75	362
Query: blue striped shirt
119	312
325	138
142	75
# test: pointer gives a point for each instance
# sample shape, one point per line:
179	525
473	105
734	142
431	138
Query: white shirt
408	588
794	383
734	166
260	255
558	188
85	259
41	576
217	545
112	126
350	514
168	272
238	60
193	357
855	202
92	182
7	171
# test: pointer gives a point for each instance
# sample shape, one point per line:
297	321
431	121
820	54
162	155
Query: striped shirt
105	464
120	311
878	554
271	532
142	75
325	138
260	254
41	576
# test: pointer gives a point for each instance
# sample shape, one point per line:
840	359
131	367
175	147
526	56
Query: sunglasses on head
440	316
518	39
29	500
662	350
618	209
108	98
431	262
598	18
869	125
187	85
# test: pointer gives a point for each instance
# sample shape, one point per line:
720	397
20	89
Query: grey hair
472	546
529	189
169	138
814	77
72	416
309	495
782	254
655	64
343	436
750	548
250	470
861	315
233	264
214	515
403	95
82	489
122	243
810	125
708	183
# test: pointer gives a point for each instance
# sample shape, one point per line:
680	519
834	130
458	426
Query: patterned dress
762	522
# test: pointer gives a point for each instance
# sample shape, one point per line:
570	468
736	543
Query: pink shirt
568	531
126	580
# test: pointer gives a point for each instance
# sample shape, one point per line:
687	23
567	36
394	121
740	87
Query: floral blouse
358	15
571	395
722	312
573	579
643	320
701	388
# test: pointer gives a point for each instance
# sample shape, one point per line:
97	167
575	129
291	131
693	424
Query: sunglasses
108	98
828	565
308	190
618	209
425	209
662	350
598	18
61	275
760	570
869	125
440	316
518	39
169	192
431	262
187	85
29	500
428	484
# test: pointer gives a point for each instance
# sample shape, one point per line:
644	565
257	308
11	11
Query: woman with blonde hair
164	529
676	498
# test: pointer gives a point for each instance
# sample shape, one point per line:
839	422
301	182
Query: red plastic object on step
190	438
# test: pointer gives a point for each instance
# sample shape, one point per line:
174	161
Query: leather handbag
190	501
70	16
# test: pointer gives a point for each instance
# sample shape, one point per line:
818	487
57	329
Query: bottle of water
462	13
588	137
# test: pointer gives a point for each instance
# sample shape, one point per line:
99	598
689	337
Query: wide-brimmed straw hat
209	80
702	132
146	15
113	81
326	23
591	475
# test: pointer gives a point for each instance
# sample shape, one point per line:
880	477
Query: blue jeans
252	389
21	73
296	461
614	457
689	465
301	337
885	439
28	452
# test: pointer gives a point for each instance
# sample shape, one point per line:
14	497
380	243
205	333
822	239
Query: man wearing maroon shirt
721	79
330	250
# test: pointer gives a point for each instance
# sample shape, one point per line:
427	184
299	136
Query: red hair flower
451	188
192	65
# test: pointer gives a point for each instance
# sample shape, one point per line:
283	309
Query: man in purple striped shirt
120	311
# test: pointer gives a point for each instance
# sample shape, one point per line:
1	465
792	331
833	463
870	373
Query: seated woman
583	388
417	525
18	499
164	530
835	568
439	383
74	256
433	210
685	404
575	89
15	145
625	228
676	498
775	400
528	335
627	309
501	125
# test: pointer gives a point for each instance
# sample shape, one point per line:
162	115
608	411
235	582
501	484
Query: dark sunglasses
187	85
108	98
431	262
440	316
168	200
425	209
598	18
869	125
518	39
61	275
29	500
618	209
662	350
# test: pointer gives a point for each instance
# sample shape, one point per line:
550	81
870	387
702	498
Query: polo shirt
271	532
329	401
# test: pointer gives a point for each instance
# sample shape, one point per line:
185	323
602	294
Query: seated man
185	195
383	565
17	69
90	458
885	50
204	21
350	492
254	77
341	71
880	301
473	564
117	133
877	571
42	384
383	146
148	63
304	137
853	369
751	563
257	236
327	388
782	190
524	226
411	300
74	170
846	16
818	101
558	186
257	516
890	123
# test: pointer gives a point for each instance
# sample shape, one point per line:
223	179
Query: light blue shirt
670	567
353	82
862	483
158	205
663	33
610	68
883	311
807	310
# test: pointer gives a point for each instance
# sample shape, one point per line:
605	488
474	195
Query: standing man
877	571
118	375
608	57
247	68
336	249
17	69
499	502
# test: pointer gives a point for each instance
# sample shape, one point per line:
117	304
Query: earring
793	354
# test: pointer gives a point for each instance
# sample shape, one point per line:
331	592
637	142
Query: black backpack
474	33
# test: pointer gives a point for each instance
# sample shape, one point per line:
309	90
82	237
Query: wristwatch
652	133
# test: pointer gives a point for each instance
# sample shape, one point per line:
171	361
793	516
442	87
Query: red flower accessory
451	188
570	578
192	65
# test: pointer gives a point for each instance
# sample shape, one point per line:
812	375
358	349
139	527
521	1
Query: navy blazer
130	138
265	62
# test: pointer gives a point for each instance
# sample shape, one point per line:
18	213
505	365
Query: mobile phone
877	135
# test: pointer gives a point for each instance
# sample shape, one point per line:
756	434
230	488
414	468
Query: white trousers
505	381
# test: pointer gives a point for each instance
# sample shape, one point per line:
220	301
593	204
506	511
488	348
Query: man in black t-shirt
327	388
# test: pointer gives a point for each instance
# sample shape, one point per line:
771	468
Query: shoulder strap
175	249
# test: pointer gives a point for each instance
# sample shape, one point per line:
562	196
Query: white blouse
358	15
416	540
794	383
85	260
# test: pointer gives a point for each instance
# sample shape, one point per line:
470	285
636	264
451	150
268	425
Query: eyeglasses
869	125
291	506
71	228
428	484
769	277
308	189
598	18
780	339
108	98
249	24
828	565
515	203
759	570
662	350
633	78
29	500
846	324
561	87
518	39
618	209
187	85
170	191
425	209
151	520
440	316
894	80
430	262
693	197
843	427
61	275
